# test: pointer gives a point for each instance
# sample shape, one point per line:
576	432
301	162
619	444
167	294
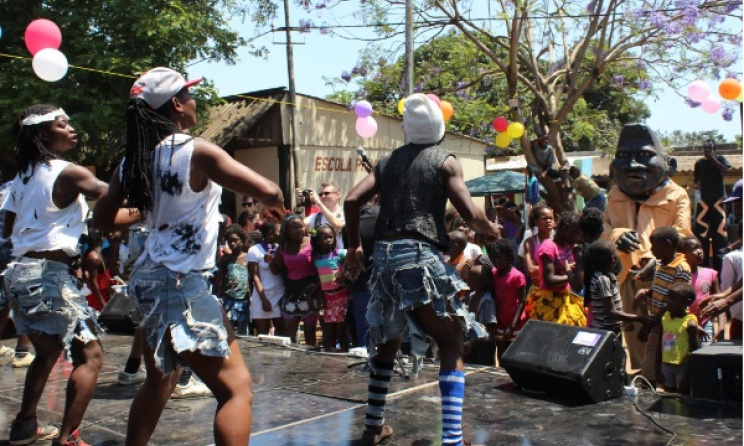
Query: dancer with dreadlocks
45	217
170	177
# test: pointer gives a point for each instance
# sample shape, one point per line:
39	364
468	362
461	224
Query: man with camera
331	213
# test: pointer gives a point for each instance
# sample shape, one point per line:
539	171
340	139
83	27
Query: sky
318	55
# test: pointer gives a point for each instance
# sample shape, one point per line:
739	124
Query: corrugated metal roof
686	163
233	119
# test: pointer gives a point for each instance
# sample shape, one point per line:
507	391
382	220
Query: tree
558	50
120	39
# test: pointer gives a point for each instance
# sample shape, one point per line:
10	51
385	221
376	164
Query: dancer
45	217
169	177
414	183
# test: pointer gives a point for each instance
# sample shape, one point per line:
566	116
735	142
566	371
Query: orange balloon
729	89
447	110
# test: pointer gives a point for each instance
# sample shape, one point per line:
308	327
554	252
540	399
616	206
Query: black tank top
412	195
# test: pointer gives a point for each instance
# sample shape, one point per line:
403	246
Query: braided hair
146	128
30	149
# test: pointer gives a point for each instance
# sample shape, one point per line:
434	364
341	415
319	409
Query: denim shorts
46	298
407	274
182	303
5	258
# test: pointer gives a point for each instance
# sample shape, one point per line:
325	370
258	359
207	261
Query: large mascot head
640	164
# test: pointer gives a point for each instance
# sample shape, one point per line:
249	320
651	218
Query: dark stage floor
309	399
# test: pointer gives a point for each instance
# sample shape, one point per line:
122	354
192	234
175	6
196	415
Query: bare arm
336	223
532	268
223	169
551	278
108	213
459	195
92	263
74	180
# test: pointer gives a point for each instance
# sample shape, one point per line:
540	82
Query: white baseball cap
158	85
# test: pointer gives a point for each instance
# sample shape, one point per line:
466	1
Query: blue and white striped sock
452	386
379	383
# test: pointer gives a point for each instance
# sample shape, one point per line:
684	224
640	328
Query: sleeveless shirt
412	195
40	225
183	223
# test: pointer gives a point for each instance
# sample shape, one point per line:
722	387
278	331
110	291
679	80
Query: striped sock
379	383
452	386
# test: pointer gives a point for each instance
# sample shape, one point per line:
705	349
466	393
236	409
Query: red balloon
500	124
41	34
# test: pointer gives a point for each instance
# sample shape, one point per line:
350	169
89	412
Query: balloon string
75	66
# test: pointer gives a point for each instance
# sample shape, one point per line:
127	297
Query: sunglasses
248	203
325	194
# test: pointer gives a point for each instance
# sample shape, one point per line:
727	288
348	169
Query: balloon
49	64
729	89
515	130
41	34
500	124
503	140
711	104
698	91
741	97
363	109
401	105
447	110
366	127
434	98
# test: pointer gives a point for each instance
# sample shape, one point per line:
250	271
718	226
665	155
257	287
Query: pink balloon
500	124
366	127
698	91
41	34
434	98
711	104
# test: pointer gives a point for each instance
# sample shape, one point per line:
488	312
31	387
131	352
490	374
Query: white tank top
183	224
39	224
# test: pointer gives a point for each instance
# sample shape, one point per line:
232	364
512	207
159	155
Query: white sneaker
126	379
6	351
195	388
22	360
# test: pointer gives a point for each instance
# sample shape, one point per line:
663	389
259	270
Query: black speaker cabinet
715	372
575	362
115	315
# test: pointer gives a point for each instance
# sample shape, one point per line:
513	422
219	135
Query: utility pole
295	167
409	48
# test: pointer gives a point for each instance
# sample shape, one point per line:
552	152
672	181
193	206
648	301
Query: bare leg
87	360
309	330
48	348
290	328
138	348
446	332
262	326
230	382
278	325
150	400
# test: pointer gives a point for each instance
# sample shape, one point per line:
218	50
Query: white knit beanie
423	121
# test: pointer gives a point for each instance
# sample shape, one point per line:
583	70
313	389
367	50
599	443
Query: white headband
38	119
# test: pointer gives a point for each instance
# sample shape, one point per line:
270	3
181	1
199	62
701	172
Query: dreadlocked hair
146	128
30	149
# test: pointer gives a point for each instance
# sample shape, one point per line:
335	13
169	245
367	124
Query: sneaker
28	431
72	440
126	379
6	351
22	360
193	389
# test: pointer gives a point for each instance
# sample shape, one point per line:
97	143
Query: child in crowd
541	221
268	288
604	291
231	281
97	275
670	269
679	339
328	259
458	256
509	285
705	282
591	226
555	302
480	302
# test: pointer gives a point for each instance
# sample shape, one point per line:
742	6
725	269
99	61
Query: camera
306	193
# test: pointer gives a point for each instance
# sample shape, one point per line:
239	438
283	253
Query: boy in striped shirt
672	268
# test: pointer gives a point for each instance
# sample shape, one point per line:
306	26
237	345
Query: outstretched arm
109	213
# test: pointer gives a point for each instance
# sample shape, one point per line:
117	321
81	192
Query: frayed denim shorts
45	298
182	303
407	274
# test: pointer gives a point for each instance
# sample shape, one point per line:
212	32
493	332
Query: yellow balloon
503	140
741	97
515	130
401	105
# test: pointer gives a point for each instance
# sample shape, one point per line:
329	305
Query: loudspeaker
574	362
715	372
115	315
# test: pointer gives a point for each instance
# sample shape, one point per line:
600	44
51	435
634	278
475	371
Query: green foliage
679	138
124	37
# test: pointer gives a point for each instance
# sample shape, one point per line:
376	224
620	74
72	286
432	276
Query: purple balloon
363	109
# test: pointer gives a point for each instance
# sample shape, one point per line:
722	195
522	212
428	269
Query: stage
313	399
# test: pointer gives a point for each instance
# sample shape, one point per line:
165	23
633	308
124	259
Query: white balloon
49	64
